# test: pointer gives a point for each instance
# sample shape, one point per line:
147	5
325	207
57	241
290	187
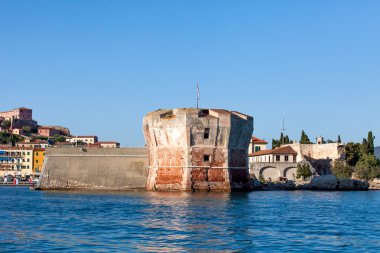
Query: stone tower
198	149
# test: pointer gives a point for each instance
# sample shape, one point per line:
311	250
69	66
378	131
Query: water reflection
181	222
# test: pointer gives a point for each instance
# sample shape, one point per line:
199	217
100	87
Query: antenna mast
283	128
197	95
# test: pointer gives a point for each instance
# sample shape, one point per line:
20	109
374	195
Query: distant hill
377	152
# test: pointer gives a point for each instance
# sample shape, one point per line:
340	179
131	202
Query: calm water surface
33	221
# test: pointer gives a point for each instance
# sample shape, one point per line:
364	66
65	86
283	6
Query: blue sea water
273	221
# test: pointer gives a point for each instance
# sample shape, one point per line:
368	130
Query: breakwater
95	169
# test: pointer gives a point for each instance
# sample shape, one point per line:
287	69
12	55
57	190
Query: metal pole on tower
197	95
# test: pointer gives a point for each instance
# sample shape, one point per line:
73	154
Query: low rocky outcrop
348	184
345	184
302	185
326	182
322	183
374	184
286	185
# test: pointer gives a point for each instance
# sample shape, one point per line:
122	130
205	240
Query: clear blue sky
98	67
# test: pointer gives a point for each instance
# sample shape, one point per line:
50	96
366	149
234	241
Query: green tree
27	129
6	124
59	138
286	140
275	143
370	143
303	170
304	138
364	147
339	140
367	161
352	152
367	167
282	139
342	170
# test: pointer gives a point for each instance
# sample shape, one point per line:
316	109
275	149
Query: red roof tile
256	140
279	151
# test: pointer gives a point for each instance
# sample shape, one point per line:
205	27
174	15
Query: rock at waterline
326	182
374	184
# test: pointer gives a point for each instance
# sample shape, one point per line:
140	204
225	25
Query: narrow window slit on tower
206	134
206	158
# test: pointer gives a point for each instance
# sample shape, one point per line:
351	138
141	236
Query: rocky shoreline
321	183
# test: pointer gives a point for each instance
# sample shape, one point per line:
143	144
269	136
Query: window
206	134
286	158
206	158
277	158
36	153
28	153
36	161
27	160
257	149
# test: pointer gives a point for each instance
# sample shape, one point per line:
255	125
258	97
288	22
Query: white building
109	144
85	139
274	165
256	145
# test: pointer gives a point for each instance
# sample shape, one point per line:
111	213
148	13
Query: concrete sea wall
95	169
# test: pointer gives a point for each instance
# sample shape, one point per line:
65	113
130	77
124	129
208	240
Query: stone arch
270	172
290	173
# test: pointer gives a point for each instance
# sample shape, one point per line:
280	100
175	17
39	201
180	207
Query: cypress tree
282	139
304	138
370	143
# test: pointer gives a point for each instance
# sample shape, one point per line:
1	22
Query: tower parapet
198	149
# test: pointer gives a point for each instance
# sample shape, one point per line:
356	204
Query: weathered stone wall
317	151
320	156
95	169
197	149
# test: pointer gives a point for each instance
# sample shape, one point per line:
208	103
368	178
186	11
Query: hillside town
23	143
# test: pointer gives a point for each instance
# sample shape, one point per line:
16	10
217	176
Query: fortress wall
95	169
321	151
198	149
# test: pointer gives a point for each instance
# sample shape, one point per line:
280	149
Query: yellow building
38	160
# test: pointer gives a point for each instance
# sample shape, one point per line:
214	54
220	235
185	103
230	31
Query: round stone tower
198	149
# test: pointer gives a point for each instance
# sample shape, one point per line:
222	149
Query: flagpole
197	95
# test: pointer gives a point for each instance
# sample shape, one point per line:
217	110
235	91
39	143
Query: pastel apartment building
48	131
38	160
16	160
18	131
33	144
